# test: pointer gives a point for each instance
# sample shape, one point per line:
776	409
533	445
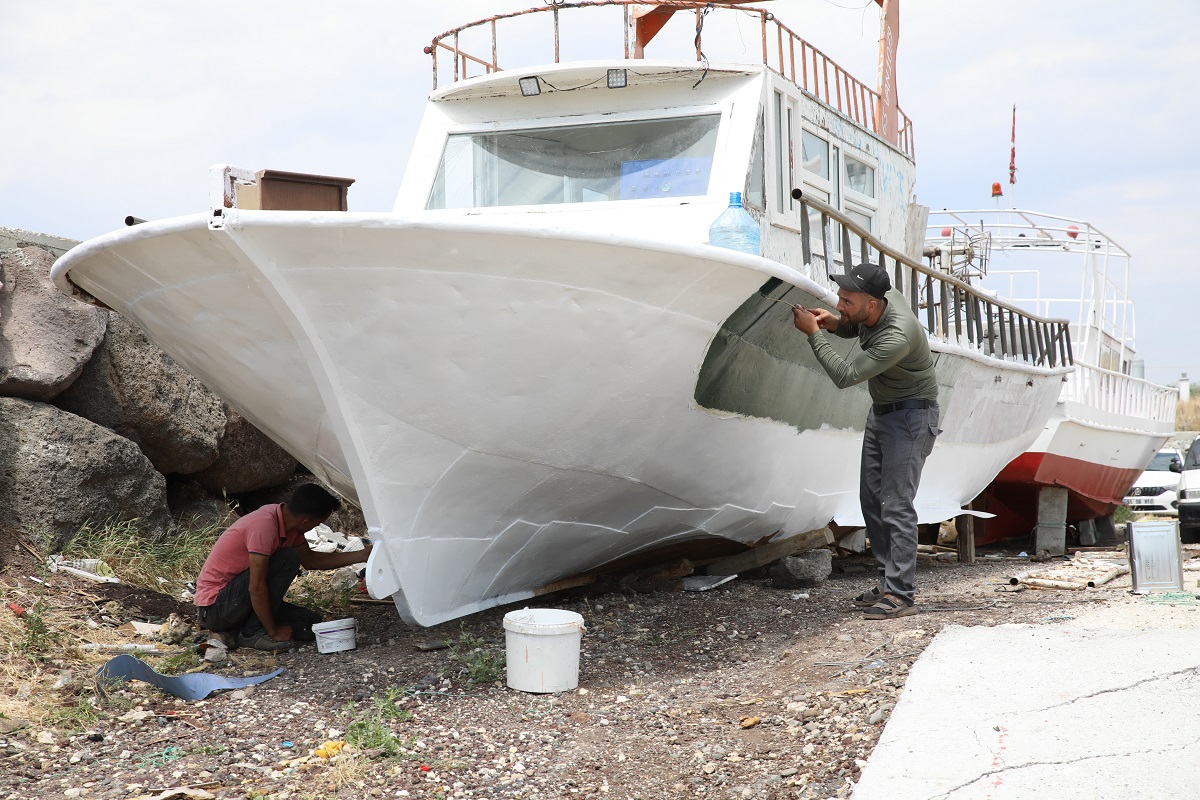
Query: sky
115	109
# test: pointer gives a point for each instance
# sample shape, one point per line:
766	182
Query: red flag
1012	159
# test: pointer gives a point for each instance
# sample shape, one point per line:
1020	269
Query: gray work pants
233	610
895	447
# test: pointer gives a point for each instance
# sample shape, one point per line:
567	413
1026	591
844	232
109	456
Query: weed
140	559
210	750
370	729
179	662
321	590
74	718
481	663
37	638
388	708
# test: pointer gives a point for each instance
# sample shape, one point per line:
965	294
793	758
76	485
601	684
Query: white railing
1121	394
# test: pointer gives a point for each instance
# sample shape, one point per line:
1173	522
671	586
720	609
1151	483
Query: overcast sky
119	108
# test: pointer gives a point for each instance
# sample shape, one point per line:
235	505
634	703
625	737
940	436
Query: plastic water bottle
735	229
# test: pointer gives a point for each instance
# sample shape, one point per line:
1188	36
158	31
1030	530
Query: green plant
389	708
37	638
210	750
481	663
1122	515
320	590
371	728
141	559
179	662
75	717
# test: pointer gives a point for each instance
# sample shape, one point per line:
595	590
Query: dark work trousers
895	447
233	610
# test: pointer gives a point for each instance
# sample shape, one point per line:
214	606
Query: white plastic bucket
542	649
335	635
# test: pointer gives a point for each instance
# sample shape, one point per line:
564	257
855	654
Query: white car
1154	490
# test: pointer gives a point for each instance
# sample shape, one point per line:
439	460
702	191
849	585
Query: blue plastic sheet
194	686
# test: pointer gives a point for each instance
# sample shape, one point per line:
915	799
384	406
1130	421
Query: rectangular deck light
530	86
617	78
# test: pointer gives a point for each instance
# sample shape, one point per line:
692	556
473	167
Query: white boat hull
510	408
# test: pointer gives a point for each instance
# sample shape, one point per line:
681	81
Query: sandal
889	607
868	598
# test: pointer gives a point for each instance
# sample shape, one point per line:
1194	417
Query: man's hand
806	321
282	633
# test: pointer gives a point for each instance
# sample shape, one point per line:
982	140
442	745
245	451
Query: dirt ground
743	691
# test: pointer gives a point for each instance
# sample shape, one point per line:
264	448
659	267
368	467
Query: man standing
243	581
901	427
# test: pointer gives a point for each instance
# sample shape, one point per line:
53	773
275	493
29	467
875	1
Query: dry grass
1187	414
141	560
39	648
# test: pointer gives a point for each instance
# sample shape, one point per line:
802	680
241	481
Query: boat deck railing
1049	264
783	51
951	309
1117	393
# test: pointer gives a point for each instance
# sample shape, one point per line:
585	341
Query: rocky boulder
59	471
248	460
802	571
136	390
46	338
194	508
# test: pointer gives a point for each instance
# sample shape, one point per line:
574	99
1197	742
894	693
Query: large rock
802	571
59	471
193	508
46	338
248	460
133	388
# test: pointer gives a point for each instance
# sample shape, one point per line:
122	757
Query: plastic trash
735	229
93	569
193	686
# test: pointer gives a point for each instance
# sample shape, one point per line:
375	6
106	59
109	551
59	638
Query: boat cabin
653	148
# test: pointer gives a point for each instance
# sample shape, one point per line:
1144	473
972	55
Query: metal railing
951	310
783	51
1121	394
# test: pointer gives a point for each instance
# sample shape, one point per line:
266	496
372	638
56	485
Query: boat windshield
577	163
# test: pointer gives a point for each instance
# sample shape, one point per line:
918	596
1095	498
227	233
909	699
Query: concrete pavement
1103	705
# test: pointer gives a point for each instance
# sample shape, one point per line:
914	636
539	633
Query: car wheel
1189	534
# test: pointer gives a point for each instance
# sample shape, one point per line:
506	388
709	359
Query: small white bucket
542	649
335	635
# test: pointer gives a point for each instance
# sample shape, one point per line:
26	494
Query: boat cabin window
860	177
577	163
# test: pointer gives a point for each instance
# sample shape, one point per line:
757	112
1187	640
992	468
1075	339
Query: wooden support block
966	536
772	551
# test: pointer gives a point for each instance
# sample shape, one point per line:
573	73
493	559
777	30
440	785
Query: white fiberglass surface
628	160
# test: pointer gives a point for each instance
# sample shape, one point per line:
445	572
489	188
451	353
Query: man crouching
245	577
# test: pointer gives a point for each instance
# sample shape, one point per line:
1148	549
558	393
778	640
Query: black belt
887	408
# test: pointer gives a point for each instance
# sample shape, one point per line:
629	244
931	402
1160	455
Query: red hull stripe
1094	481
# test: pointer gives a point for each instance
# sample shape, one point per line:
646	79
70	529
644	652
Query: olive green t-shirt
894	357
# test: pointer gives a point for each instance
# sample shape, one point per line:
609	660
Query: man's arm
311	559
260	599
867	364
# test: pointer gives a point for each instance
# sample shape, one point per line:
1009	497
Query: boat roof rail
784	52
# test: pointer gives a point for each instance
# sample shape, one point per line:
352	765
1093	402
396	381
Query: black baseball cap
866	278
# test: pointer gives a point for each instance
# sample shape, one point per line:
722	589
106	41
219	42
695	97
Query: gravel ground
744	691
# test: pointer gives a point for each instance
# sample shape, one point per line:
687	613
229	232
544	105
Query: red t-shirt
261	532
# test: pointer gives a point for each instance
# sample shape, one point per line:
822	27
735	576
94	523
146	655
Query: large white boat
1109	421
535	365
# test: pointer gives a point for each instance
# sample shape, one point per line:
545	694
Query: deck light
617	79
530	86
